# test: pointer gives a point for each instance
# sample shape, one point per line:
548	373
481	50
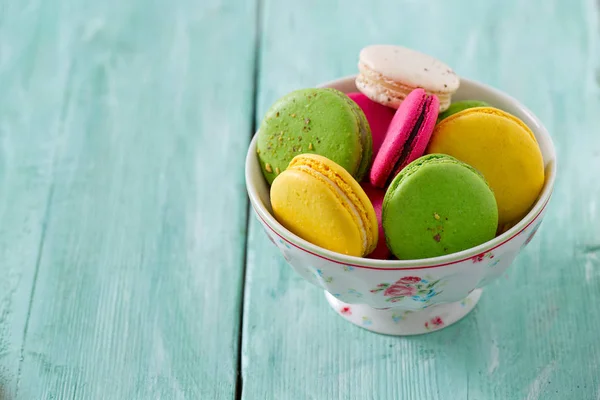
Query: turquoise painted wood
27	146
534	335
123	219
123	130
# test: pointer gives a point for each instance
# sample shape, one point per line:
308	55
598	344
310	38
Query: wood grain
139	114
534	334
29	118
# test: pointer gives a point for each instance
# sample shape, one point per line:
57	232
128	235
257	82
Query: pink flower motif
482	256
434	323
409	279
399	289
410	287
477	258
345	311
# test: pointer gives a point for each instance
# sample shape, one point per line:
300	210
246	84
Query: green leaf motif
432	284
394	299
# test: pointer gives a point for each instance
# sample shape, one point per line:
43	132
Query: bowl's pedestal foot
395	321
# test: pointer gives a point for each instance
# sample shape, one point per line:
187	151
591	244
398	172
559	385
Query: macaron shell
410	67
387	74
502	148
319	121
419	144
315	196
345	183
366	136
461	106
437	206
378	117
372	87
417	109
376	196
309	208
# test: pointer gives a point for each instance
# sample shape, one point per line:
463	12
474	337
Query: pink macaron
378	116
376	196
407	136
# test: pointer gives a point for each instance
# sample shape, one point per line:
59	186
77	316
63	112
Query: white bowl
409	296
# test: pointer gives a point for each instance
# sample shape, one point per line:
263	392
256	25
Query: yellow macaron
321	202
502	148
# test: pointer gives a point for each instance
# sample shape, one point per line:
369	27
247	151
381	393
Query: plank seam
45	221
34	284
239	385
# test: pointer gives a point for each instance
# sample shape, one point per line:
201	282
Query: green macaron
319	121
438	205
461	105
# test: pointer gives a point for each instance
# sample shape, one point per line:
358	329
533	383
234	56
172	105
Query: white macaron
389	73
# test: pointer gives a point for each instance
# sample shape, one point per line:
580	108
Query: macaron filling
410	142
367	143
387	91
366	139
348	191
348	204
438	205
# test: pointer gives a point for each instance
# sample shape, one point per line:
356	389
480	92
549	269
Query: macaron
378	116
438	205
387	74
502	148
319	201
406	138
460	106
319	121
376	196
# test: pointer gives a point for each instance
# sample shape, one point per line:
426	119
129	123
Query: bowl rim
433	262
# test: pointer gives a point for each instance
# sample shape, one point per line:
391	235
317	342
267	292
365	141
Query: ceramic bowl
409	296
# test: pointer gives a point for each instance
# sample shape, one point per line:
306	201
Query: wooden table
132	269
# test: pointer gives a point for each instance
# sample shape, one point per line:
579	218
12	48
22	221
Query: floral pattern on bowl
434	323
414	287
481	257
376	294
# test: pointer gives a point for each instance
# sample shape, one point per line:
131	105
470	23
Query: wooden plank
534	334
31	81
139	283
